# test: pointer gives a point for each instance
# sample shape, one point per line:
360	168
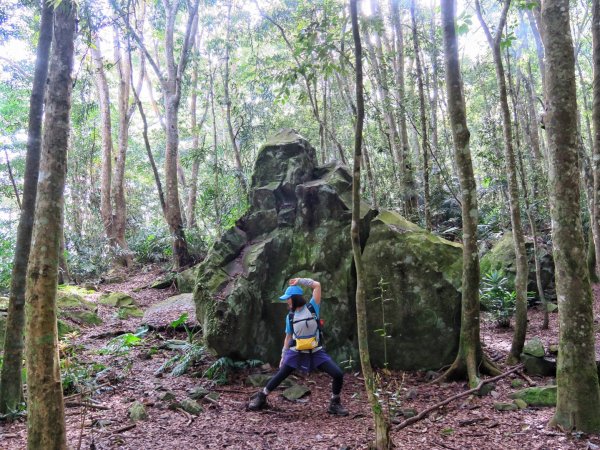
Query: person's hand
281	362
294	281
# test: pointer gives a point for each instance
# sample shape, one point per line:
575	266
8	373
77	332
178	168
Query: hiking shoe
336	408
257	401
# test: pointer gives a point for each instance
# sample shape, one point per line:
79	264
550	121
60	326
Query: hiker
302	347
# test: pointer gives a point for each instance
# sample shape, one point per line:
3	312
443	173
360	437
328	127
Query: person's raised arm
314	285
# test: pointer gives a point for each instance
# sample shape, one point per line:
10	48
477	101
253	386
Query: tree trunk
596	120
118	187
407	175
578	402
45	414
424	141
236	151
171	84
382	429
513	189
106	211
11	390
470	355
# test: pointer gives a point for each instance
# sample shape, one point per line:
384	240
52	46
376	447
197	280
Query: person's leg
259	399
282	374
336	374
335	405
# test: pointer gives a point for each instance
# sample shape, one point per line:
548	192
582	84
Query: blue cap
292	290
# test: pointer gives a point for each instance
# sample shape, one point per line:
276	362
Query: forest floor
470	422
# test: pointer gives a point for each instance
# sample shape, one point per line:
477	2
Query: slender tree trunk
106	211
45	413
118	186
171	84
11	390
382	431
578	402
407	173
596	120
470	355
215	152
424	140
232	137
513	189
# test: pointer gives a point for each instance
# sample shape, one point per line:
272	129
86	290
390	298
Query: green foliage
122	344
151	244
191	354
7	245
220	370
496	298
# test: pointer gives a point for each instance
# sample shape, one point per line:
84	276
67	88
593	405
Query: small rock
517	383
296	392
411	394
536	366
117	299
408	412
537	396
167	396
214	396
553	348
137	411
551	307
198	392
521	404
486	389
258	379
431	375
191	406
534	347
494	394
501	406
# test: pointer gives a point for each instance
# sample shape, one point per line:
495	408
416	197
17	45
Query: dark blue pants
328	367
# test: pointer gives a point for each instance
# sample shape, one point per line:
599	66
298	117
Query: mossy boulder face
537	396
75	308
298	225
502	257
186	280
413	279
117	299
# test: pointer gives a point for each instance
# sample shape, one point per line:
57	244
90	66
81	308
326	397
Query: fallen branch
464	423
426	412
187	415
89	391
86	405
526	378
441	444
126	428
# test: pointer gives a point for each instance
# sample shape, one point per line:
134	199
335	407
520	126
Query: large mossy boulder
298	224
412	279
502	257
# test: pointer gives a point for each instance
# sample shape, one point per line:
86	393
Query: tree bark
470	355
522	272
232	134
11	390
171	84
596	121
382	428
118	186
424	141
407	173
578	402
106	211
45	415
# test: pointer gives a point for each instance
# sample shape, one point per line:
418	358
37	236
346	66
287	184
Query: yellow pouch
306	344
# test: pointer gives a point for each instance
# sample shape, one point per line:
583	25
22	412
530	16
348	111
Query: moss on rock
298	225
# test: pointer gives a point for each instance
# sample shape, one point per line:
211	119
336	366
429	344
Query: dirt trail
469	423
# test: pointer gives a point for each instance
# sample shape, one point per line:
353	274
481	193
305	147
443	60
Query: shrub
496	298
